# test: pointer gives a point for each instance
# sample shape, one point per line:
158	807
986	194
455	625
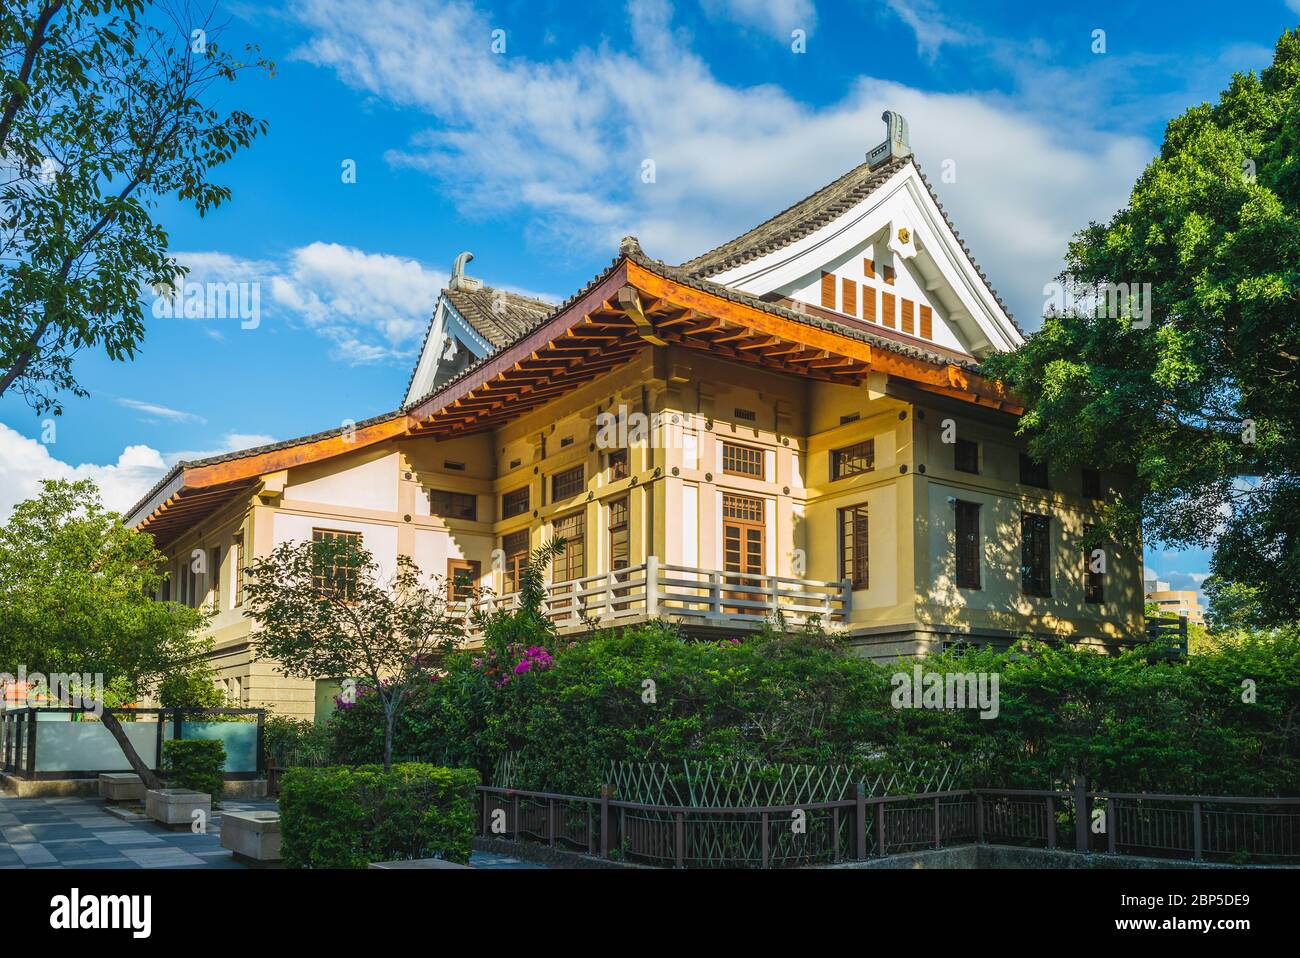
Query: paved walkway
81	833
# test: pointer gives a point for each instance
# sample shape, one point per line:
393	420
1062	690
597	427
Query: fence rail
1198	828
694	595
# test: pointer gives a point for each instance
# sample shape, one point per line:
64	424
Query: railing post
550	822
1198	844
652	587
860	821
774	595
715	595
604	821
609	593
882	840
938	836
483	828
679	830
591	830
516	811
835	832
31	743
1081	816
846	598
979	818
767	853
1112	824
1051	821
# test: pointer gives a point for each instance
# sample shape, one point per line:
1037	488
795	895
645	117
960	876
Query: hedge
1123	722
348	817
196	764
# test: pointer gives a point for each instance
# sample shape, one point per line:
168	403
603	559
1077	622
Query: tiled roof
500	316
814	212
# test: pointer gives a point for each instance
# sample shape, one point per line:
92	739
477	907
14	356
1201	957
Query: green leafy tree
107	107
325	611
76	589
1193	391
527	624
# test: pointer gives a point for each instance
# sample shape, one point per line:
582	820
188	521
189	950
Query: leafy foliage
290	742
1123	722
324	610
106	109
196	764
1202	408
350	817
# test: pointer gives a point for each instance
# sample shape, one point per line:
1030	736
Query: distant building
1175	601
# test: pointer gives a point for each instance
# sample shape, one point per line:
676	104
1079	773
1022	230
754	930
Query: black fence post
261	743
1081	816
604	821
938	833
1051	821
860	820
31	745
979	818
1198	841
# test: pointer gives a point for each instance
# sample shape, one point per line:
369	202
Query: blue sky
530	157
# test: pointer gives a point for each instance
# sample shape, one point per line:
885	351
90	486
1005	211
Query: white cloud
932	29
152	412
24	462
777	18
566	141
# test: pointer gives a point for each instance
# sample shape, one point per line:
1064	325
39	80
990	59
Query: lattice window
620	544
568	483
453	505
1035	554
617	462
462	578
514	503
745	508
966	456
854	552
515	547
742	460
573	529
333	576
1032	473
968	545
853	460
1094	588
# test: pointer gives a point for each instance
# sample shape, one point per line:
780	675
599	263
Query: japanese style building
792	423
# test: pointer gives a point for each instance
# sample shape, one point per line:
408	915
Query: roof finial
458	270
628	245
896	145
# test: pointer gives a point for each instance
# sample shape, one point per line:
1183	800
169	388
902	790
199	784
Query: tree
102	115
76	589
527	624
1192	388
324	611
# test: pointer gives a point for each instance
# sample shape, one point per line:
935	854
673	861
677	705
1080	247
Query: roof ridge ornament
628	245
458	278
896	145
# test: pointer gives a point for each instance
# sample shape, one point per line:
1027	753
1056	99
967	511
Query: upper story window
237	568
854	553
852	460
453	505
515	548
514	502
568	483
740	460
1032	473
968	545
333	576
1094	576
1035	554
966	456
617	463
1091	483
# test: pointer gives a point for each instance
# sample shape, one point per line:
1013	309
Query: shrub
291	742
348	817
196	764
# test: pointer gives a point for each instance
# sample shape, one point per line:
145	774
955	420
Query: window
454	505
967	545
1035	554
453	466
573	530
742	460
462	579
514	503
332	576
617	462
748	415
515	547
1093	582
853	460
568	483
1091	483
853	545
966	456
237	569
620	545
214	566
1032	473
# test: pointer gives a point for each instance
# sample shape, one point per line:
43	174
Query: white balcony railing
693	596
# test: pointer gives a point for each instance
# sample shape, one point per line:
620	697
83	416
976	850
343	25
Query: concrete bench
175	807
121	787
254	837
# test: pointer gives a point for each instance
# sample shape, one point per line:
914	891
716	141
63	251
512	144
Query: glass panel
240	739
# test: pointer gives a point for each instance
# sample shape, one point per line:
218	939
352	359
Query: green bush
348	817
196	764
290	742
1124	723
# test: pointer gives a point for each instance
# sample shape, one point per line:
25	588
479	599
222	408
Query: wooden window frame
838	459
237	569
508	509
449	512
1094	583
958	462
473	567
574	557
1033	473
618	463
346	578
742	455
1090	481
563	484
619	520
855	546
513	569
967	572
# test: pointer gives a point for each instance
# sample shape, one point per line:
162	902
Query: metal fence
58	743
1192	827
